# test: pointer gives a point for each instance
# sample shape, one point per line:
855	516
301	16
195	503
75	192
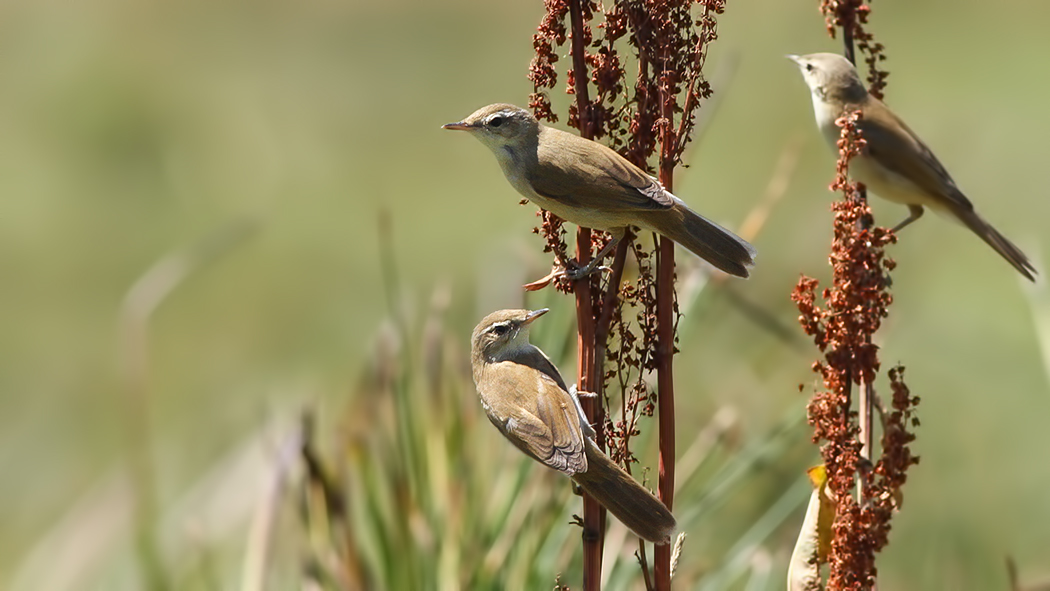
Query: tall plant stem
865	398
665	354
587	377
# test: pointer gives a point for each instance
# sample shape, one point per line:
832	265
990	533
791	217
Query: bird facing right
527	400
895	164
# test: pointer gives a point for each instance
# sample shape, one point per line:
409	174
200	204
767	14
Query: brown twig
665	344
643	563
594	514
610	303
665	311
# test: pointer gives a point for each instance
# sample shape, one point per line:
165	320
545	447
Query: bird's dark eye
495	121
809	67
500	329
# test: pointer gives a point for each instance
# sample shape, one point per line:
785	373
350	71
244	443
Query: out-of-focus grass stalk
448	506
1039	303
479	514
136	313
692	281
257	556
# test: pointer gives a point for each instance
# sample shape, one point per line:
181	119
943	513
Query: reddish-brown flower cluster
851	16
671	48
631	356
668	47
842	328
552	228
890	472
551	33
670	44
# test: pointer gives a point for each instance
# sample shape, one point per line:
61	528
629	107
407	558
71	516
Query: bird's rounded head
503	331
498	125
830	76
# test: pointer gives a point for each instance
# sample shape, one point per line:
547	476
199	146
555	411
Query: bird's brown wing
536	414
895	146
586	174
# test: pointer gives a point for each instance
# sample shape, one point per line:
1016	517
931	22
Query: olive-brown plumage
589	184
526	399
895	164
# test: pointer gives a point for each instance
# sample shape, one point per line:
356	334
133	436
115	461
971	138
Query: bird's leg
596	262
588	430
916	212
571	271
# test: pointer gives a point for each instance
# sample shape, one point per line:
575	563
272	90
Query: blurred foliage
136	130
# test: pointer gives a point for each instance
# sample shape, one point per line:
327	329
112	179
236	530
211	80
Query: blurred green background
134	130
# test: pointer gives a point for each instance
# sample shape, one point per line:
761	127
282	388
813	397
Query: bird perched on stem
591	185
894	163
526	399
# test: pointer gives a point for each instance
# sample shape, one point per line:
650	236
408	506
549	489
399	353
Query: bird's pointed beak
535	314
458	126
794	58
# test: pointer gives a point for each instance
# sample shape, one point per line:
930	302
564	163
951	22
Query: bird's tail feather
1000	243
629	501
709	241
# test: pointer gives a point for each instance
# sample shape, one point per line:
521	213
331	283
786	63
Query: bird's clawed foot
573	273
576	394
581	393
576	273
